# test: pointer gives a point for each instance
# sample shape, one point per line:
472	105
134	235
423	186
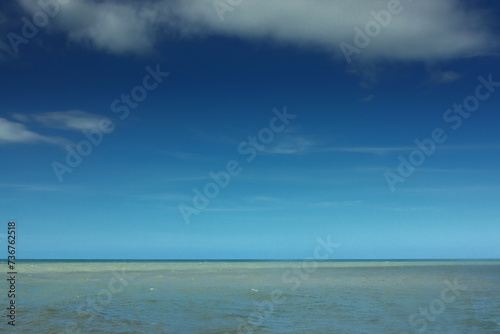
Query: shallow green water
256	297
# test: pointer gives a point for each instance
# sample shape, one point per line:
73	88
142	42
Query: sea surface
254	297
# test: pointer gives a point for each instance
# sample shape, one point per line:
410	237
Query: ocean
226	297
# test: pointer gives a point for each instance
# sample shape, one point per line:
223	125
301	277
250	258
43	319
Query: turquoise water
256	297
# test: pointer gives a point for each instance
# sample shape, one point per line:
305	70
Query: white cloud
267	199
381	150
21	117
67	120
32	187
367	149
444	77
424	30
13	132
73	120
285	143
454	189
113	26
337	204
368	98
164	197
420	32
275	203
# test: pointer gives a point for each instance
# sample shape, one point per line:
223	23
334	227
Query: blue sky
328	168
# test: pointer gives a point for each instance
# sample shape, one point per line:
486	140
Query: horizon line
267	260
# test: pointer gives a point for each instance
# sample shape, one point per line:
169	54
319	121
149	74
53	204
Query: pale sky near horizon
374	122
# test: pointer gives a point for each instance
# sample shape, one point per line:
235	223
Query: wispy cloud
236	209
187	155
290	144
75	120
441	77
186	178
265	199
412	208
454	189
368	72
278	202
17	133
294	143
368	98
33	187
366	169
381	169
336	204
450	170
163	197
380	150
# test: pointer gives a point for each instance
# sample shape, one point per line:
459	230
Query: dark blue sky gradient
323	175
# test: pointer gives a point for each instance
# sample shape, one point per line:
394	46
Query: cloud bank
424	30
